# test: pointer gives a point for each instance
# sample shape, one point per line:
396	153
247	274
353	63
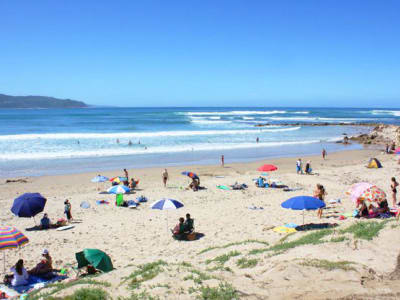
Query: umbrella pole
167	220
303	217
34	220
4	261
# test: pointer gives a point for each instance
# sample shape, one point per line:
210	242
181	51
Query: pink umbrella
358	189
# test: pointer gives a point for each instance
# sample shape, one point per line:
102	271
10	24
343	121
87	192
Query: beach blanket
255	207
291	225
62	228
85	204
283	229
291	189
98	202
34	282
335	201
223	187
313	226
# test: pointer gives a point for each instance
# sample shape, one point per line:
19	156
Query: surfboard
65	227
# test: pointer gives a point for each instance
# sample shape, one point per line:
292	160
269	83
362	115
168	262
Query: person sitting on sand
383	207
372	211
132	184
308	169
90	270
179	230
194	185
45	266
260	182
45	222
20	275
362	208
189	224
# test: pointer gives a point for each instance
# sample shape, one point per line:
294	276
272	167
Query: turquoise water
52	141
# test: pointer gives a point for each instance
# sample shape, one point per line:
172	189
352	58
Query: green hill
7	101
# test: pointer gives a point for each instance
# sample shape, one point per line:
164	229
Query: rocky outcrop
382	134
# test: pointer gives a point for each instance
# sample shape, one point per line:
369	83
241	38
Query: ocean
36	142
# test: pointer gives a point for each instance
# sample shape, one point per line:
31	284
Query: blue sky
203	53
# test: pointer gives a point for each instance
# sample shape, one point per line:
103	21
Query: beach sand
134	237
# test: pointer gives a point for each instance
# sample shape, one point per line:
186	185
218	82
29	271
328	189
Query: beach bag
141	199
191	236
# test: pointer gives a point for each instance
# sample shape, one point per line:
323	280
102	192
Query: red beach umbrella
267	168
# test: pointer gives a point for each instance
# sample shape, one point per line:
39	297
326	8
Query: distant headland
7	101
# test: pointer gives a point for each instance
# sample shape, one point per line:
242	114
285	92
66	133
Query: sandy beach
237	241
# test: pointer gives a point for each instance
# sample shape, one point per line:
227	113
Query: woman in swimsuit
393	186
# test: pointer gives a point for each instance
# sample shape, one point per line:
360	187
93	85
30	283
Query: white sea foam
318	119
395	113
236	112
132	135
150	150
247	118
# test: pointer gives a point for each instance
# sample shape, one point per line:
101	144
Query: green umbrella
94	257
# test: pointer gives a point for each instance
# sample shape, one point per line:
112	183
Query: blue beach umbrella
118	189
190	174
166	204
303	203
100	178
28	205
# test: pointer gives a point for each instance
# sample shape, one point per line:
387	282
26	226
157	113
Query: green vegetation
141	296
56	287
365	230
145	272
88	294
233	244
329	265
338	239
201	276
222	259
223	292
244	263
313	238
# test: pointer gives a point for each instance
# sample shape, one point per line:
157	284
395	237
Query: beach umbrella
373	194
166	204
190	174
11	237
267	168
303	203
100	178
28	205
397	151
118	179
95	257
357	189
118	189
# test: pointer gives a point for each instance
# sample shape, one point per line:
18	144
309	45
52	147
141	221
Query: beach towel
218	176
98	202
313	226
35	282
62	228
255	207
291	189
291	225
223	187
141	199
335	201
132	204
348	214
283	229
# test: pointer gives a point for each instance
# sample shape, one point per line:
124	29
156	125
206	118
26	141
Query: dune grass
329	265
222	259
56	287
145	272
313	238
233	244
365	230
244	263
224	291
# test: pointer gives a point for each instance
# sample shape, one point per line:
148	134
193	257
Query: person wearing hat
45	265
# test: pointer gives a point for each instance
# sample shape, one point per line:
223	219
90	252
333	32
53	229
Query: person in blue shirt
45	222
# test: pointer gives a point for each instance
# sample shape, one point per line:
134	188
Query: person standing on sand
320	193
257	140
299	166
324	153
165	177
393	187
222	161
67	210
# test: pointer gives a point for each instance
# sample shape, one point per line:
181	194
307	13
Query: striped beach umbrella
100	178
11	237
118	189
118	179
166	204
190	174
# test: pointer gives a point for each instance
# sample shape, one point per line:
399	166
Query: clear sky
203	53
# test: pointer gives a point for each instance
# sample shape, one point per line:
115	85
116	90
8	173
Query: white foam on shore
395	113
151	150
236	112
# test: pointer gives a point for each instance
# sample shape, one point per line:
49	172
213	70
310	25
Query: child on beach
324	153
320	193
299	166
67	210
222	160
393	187
165	177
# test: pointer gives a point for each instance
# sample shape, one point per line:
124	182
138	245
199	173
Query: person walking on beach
299	166
257	140
324	153
393	187
165	177
126	182
222	161
67	210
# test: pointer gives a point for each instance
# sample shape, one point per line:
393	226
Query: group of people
20	275
390	148
45	222
299	167
184	228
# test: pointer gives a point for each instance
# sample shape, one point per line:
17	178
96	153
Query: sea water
55	141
